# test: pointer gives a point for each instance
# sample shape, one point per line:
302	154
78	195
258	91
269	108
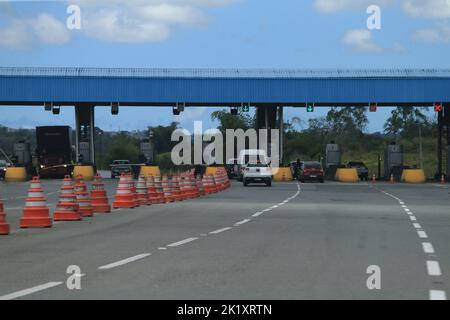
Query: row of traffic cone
165	189
74	204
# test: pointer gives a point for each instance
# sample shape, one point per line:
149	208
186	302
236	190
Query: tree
162	137
123	147
406	121
347	120
229	121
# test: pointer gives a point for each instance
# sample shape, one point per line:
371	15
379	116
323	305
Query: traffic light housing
245	107
373	107
310	107
438	107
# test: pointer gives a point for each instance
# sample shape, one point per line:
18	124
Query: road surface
291	241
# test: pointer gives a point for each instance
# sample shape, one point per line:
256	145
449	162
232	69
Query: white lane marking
162	248
29	291
407	210
404	207
401	202
203	235
417	226
422	234
274	207
15	208
242	222
220	230
257	214
179	243
427	247
267	210
433	268
124	261
413	218
438	295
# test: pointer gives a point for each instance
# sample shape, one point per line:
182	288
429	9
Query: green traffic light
310	108
245	108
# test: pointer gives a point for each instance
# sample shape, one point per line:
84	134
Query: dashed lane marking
29	291
180	243
428	247
124	261
422	234
220	230
438	295
242	222
433	268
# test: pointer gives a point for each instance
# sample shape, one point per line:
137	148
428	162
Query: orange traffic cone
4	226
151	190
99	197
129	178
124	196
159	190
199	182
82	197
176	189
67	208
35	213
141	191
167	189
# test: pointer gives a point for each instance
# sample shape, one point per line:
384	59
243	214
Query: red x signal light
438	107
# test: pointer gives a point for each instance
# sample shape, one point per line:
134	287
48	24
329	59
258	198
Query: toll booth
22	154
146	150
393	161
333	159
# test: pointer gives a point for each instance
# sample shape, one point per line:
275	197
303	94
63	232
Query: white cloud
333	6
361	40
439	33
143	21
432	9
20	34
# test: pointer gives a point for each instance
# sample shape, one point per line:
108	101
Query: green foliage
122	148
229	121
162	137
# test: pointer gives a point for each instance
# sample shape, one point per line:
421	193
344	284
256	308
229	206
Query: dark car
363	171
311	171
120	166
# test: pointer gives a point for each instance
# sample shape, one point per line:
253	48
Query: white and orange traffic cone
392	180
36	212
124	195
82	196
374	178
4	226
442	179
99	197
141	191
67	207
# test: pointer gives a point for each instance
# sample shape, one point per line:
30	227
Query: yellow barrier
15	174
282	174
213	170
413	176
87	172
150	171
347	175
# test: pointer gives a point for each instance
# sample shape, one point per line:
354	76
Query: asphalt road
308	241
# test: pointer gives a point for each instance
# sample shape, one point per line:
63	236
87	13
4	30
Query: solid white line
422	234
124	261
257	214
438	295
220	230
433	268
179	243
26	292
427	247
242	222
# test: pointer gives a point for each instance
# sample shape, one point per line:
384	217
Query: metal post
281	127
84	118
439	146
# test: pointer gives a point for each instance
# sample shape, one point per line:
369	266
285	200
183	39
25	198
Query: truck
54	151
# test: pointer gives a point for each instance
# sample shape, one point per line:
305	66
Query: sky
217	34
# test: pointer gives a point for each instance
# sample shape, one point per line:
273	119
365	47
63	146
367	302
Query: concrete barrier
413	176
87	172
282	174
347	175
150	171
213	170
16	174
